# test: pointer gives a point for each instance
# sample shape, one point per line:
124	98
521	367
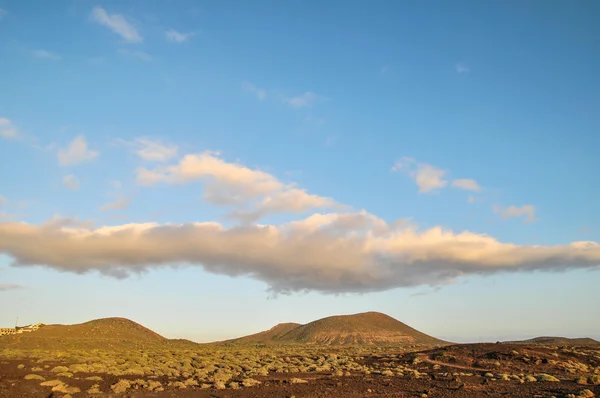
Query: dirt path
425	358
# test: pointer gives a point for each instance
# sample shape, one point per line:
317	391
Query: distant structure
20	329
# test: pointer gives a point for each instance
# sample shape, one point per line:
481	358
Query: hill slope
552	340
107	333
275	333
364	328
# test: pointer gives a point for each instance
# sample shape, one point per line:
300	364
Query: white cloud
43	54
427	177
76	152
255	193
260	93
466	184
177	37
525	211
461	67
117	23
471	199
8	129
71	181
152	150
120	204
304	100
141	55
331	253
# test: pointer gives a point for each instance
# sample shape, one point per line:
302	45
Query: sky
210	169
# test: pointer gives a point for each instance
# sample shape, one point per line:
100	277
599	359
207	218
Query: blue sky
210	169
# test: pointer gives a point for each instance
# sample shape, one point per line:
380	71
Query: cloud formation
303	100
253	193
466	184
8	129
117	23
71	181
120	204
525	211
9	286
76	152
151	150
178	37
427	177
260	93
43	54
330	253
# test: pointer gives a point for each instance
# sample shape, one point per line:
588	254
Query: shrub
65	374
33	376
585	394
21	366
51	383
59	369
95	389
65	389
546	377
219	385
295	380
595	379
234	385
36	369
93	378
250	382
530	379
121	386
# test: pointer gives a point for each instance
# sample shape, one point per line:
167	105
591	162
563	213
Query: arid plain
362	355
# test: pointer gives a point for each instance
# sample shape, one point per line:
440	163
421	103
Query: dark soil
438	364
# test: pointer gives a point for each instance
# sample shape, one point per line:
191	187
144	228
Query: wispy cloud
427	177
462	67
525	211
141	55
260	93
253	193
76	152
10	286
151	150
304	100
71	181
8	129
120	204
43	54
178	37
117	23
466	184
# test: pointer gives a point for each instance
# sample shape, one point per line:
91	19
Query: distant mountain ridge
557	341
367	328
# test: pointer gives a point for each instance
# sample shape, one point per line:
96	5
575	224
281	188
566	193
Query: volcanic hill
107	333
365	328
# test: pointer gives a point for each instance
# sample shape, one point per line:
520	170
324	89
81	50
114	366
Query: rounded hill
107	333
364	328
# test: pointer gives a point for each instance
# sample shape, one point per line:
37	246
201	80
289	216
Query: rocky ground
477	370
